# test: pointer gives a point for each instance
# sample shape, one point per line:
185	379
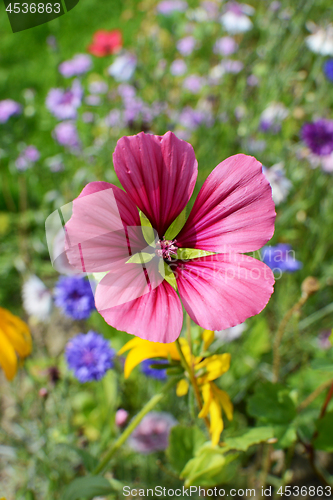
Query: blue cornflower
89	356
328	69
281	258
154	372
74	296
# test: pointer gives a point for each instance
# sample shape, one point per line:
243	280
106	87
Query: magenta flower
233	213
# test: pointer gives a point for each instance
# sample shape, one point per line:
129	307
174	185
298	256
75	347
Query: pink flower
233	213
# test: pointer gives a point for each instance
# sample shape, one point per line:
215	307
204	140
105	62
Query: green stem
134	423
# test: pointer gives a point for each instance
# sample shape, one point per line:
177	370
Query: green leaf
87	488
324	365
248	437
257	340
176	226
140	258
167	274
271	404
209	467
184	442
330	338
147	230
89	461
191	253
285	434
324	440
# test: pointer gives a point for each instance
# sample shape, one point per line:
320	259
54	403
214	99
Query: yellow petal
134	342
182	387
215	366
207	397
8	358
208	337
216	422
17	332
224	401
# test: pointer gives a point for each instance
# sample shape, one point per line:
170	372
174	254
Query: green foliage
168	275
248	437
87	488
89	461
183	444
191	253
324	439
209	467
147	230
140	258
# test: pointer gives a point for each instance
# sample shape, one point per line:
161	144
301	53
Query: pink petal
155	315
224	290
234	210
158	173
104	229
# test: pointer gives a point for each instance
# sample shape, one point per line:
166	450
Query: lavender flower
323	340
80	64
123	67
279	183
211	9
8	108
27	158
186	45
318	136
153	372
192	118
98	87
235	18
167	7
66	134
272	117
178	67
62	103
231	66
114	119
74	296
152	434
193	83
89	356
281	258
225	46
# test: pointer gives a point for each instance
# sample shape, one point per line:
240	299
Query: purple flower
231	66
328	69
123	67
252	81
114	119
272	117
166	7
323	340
186	45
8	108
26	159
93	100
191	118
98	87
62	103
281	258
80	64
89	356
178	67
154	372
152	434
318	136
126	91
193	83
66	134
225	46
74	296
211	9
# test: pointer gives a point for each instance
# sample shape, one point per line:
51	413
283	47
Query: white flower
272	116
279	183
235	20
231	333
321	40
123	67
37	299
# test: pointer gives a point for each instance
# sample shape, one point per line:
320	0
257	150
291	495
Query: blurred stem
192	379
266	464
315	394
280	332
133	424
327	400
316	316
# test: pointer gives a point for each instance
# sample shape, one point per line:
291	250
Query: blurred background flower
152	434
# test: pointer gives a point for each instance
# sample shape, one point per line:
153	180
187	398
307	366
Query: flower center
166	249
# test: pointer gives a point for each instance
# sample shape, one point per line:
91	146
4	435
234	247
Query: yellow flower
15	341
206	370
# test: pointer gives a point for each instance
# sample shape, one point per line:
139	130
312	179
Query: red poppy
105	43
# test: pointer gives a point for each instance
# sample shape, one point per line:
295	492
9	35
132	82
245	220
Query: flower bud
43	393
310	285
121	417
